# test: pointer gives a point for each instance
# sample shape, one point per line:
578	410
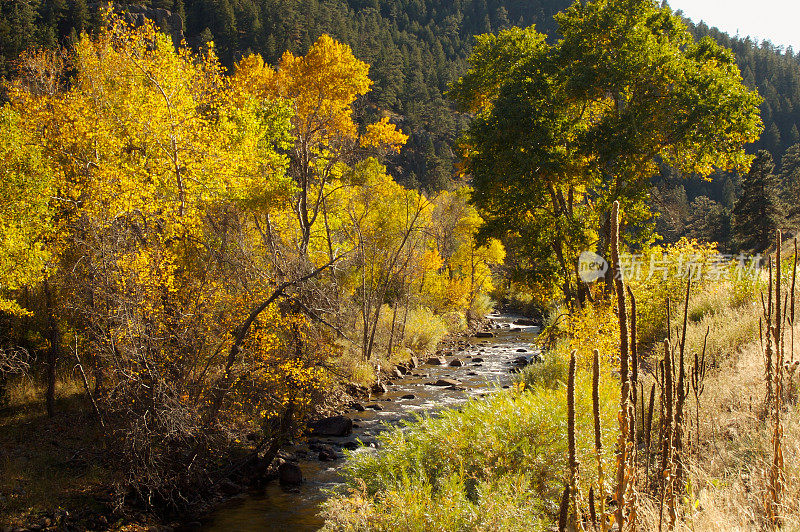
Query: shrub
587	329
504	504
652	291
424	330
481	306
550	373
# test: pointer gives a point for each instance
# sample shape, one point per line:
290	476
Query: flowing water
487	367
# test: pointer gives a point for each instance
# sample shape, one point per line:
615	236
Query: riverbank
461	369
69	487
501	465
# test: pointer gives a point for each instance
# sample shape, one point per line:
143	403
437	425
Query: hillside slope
416	49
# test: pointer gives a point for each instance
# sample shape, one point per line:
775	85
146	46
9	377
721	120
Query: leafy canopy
561	131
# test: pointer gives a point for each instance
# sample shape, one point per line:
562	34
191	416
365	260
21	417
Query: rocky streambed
473	367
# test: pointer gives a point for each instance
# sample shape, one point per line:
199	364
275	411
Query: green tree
657	96
708	220
757	214
563	130
789	176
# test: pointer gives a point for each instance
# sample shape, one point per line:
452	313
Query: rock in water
230	488
290	474
446	382
484	334
456	363
437	361
526	322
332	426
327	454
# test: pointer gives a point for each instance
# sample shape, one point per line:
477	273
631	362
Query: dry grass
728	474
47	464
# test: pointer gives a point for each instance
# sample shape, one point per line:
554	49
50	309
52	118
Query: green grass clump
550	373
499	461
503	504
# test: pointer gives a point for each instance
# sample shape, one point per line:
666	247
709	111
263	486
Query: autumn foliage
212	251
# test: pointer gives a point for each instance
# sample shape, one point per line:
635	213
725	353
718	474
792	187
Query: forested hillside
416	48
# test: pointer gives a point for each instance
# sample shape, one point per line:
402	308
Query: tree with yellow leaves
158	166
322	87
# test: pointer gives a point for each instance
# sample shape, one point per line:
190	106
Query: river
487	368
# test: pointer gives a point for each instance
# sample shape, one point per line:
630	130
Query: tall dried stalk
622	311
598	436
666	434
625	492
681	390
777	477
574	472
563	510
698	384
778	320
769	331
634	363
669	320
648	427
791	302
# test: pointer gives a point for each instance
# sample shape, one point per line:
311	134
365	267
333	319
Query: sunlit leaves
25	190
383	135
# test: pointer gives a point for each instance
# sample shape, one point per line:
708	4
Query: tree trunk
52	352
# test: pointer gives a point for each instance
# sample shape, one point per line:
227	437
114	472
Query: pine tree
757	213
707	220
789	176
